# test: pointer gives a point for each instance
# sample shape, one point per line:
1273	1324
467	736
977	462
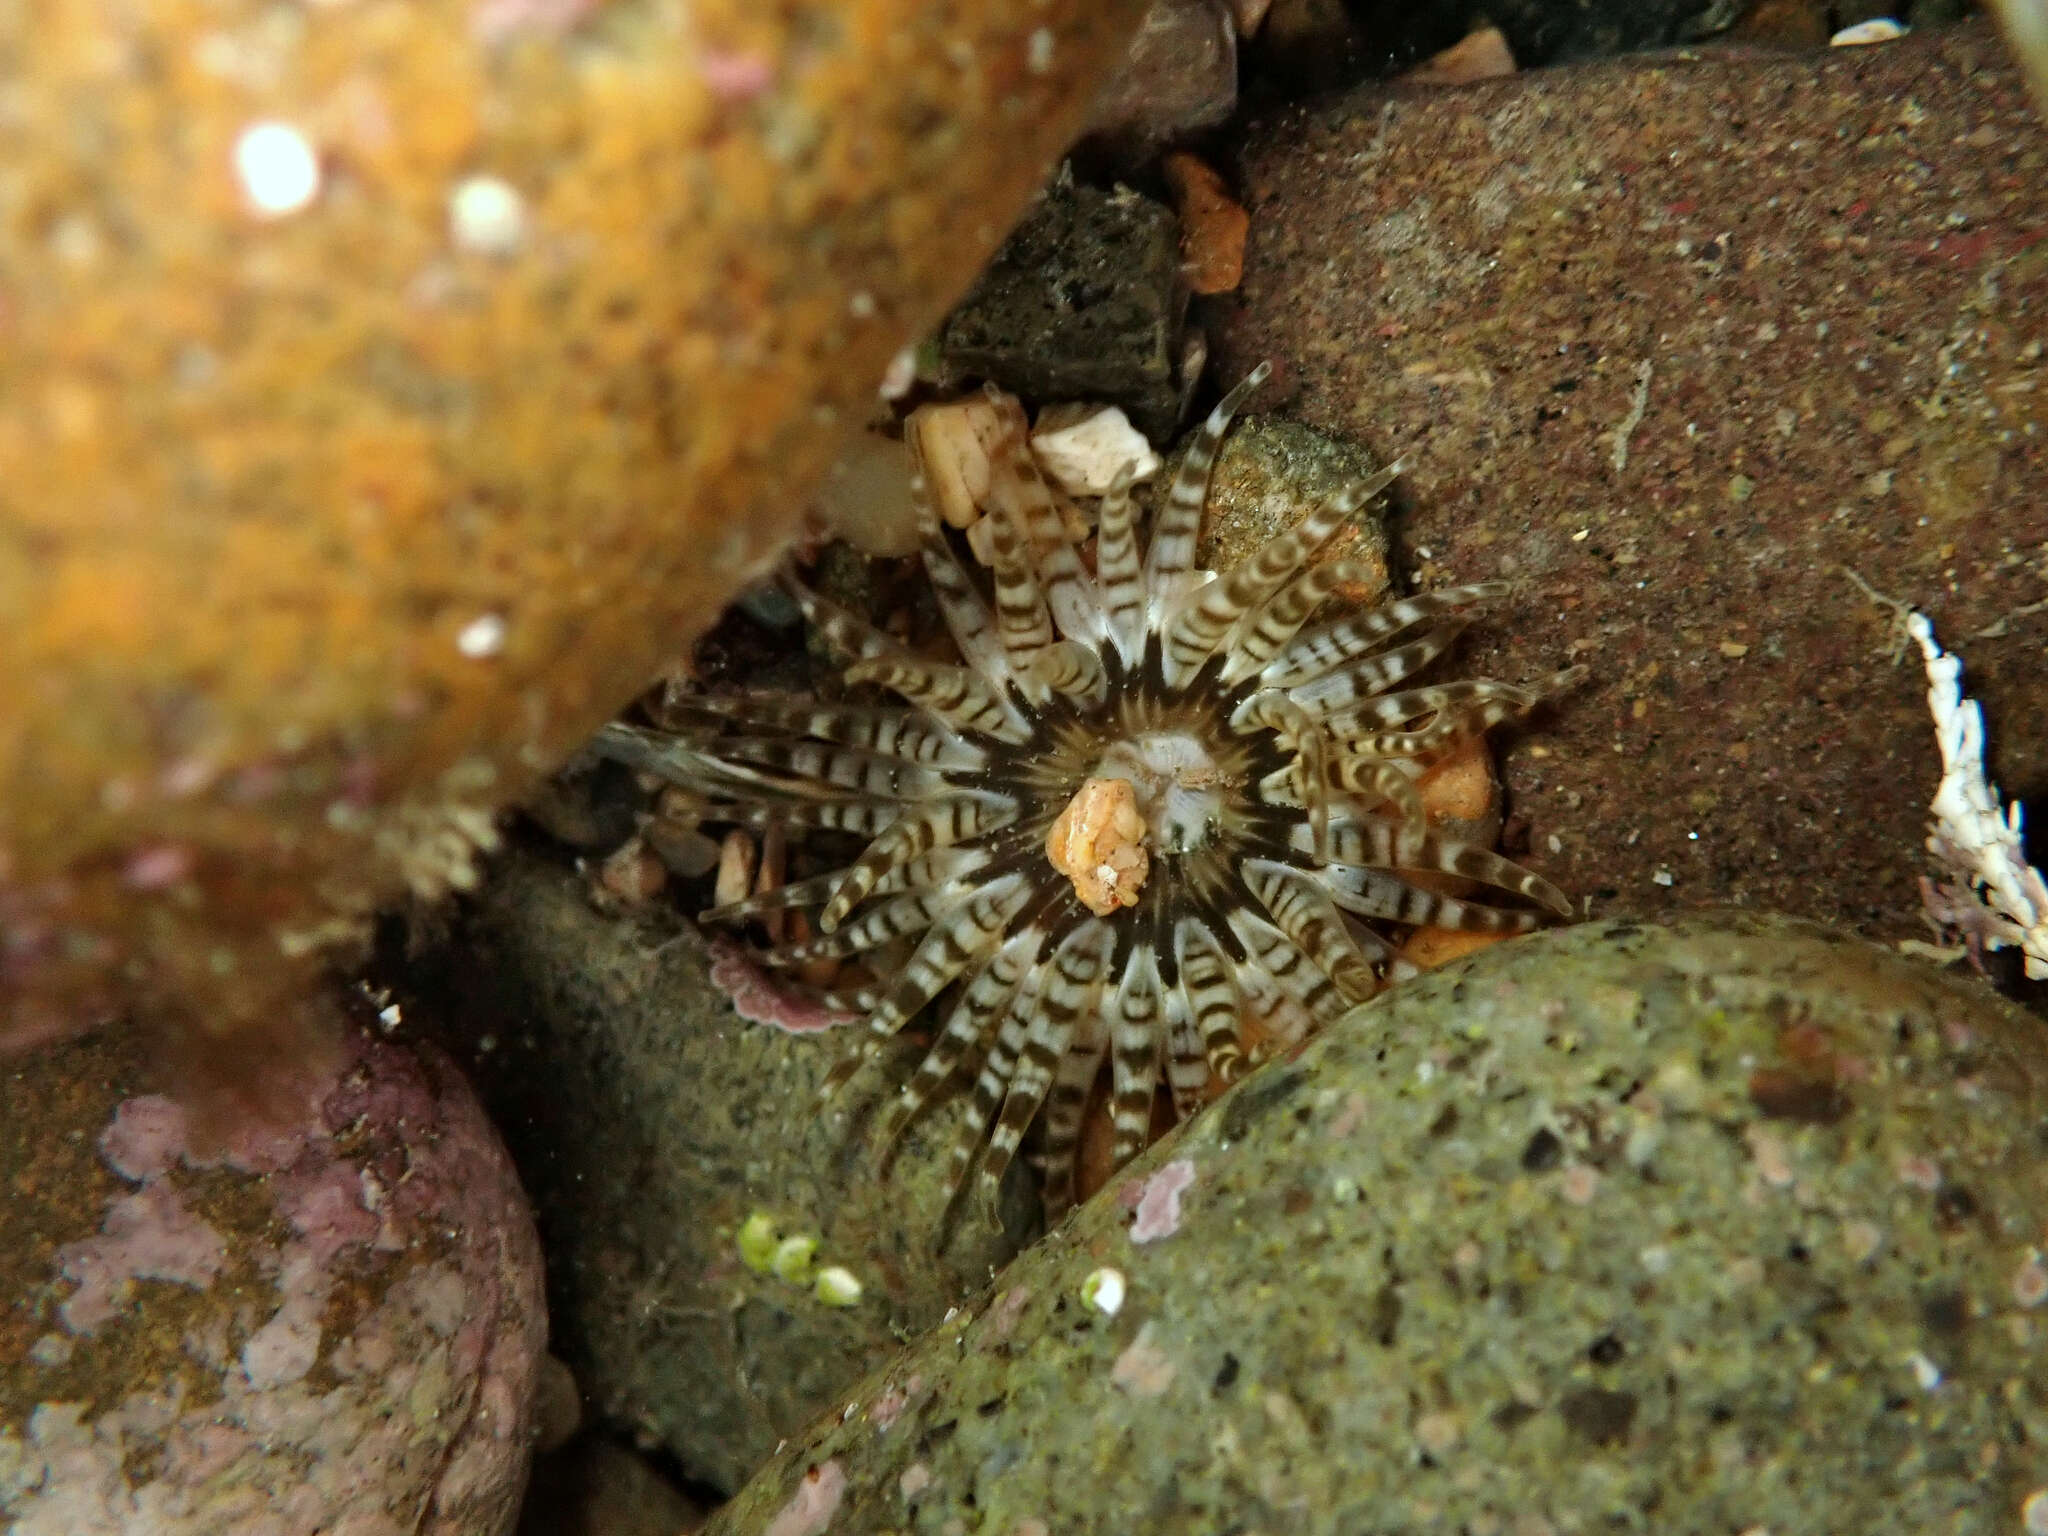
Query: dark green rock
1728	1225
648	1122
1084	302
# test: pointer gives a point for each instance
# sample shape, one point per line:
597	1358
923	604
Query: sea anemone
1145	802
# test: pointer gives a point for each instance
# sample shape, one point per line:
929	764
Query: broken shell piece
1082	448
633	873
1879	29
735	868
1481	55
956	442
1098	842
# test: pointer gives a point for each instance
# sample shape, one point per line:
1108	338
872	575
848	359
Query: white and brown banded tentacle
960	602
1377	781
1070	594
1074	671
1271	627
1309	773
1074	990
1376	894
1170	556
1358	685
1207	975
885	731
1481	706
962	699
962	815
1184	1063
1215	613
1304	911
954	940
1378	845
1023	622
1279	957
1331	645
1066	1111
984	995
865	817
867	774
1117	571
1137	1017
904	915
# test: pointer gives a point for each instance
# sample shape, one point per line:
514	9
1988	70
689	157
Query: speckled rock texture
650	1122
1669	342
388	389
329	1328
1730	1225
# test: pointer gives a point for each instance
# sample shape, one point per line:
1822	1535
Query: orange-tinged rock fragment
1213	225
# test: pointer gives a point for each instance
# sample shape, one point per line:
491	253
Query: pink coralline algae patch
1155	1203
816	1501
417	1416
149	1235
759	1001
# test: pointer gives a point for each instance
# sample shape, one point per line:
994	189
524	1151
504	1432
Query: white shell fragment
1881	29
278	169
486	216
1104	1291
957	441
1082	448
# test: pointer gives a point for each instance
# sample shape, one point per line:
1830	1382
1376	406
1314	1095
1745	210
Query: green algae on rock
1729	1224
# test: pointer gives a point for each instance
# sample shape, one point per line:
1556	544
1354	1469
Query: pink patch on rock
816	1501
733	76
149	1235
759	1001
1156	1205
145	1138
1143	1369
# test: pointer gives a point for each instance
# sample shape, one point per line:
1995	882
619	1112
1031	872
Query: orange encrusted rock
386	391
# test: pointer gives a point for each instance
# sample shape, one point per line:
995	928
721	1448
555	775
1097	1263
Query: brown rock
386	390
1670	377
1212	225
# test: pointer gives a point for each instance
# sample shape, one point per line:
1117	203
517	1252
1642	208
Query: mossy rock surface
1724	1225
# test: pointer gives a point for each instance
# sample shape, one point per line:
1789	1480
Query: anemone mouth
1146	802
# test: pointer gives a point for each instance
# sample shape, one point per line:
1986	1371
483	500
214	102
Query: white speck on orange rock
1098	842
277	168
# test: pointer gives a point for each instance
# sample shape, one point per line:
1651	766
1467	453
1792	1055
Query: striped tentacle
1481	705
953	941
986	995
1271	950
934	870
1070	594
1379	845
886	731
895	917
1377	781
1023	622
1333	644
1309	774
1170	557
823	762
1117	572
955	695
1073	670
1269	629
1214	611
1303	910
1207	978
1073	992
1136	1016
1181	1058
937	824
1358	683
1066	1112
864	817
960	602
